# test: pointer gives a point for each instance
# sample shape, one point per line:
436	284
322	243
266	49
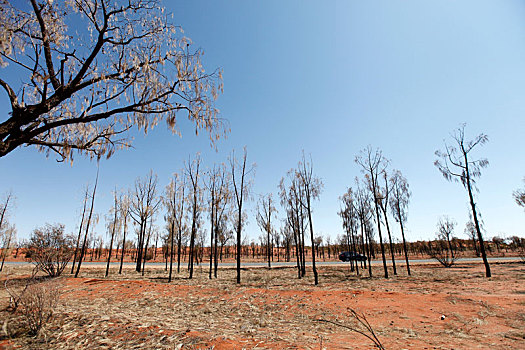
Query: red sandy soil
272	309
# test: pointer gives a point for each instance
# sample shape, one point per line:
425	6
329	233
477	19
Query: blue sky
329	78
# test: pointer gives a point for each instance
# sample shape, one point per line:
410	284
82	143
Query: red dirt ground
272	309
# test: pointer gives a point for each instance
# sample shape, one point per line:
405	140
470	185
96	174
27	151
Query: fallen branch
367	332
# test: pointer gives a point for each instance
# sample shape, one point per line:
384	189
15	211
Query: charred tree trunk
112	234
171	248
123	246
79	232
404	245
478	230
390	241
381	238
83	251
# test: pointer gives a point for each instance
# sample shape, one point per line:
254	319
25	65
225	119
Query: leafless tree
6	230
519	196
290	193
152	232
174	202
225	236
364	213
195	199
88	224
212	189
124	203
384	198
145	202
455	165
218	202
222	210
443	250
82	90
80	228
170	202
311	187
5	206
373	165
349	216
113	227
264	213
470	231
241	178
399	205
7	239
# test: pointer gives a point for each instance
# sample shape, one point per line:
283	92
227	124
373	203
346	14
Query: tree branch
47	48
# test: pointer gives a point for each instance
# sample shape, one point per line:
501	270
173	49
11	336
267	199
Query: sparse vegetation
456	163
50	249
38	302
272	309
33	300
362	326
83	77
444	249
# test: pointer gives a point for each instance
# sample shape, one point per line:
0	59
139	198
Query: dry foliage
272	309
32	300
38	303
50	250
361	326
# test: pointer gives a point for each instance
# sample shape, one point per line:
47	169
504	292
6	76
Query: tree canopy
90	70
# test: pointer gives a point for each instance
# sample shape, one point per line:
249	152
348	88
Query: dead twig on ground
368	331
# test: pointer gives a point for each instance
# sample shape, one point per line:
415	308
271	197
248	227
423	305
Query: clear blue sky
329	77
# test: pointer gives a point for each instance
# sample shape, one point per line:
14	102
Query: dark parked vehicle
347	256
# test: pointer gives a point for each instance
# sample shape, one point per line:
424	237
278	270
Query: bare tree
470	231
264	213
174	202
222	210
7	239
77	245
443	249
519	196
311	186
145	202
219	196
399	205
113	227
455	165
364	213
5	205
241	188
130	66
383	204
295	219
195	199
348	214
6	231
287	237
124	203
88	223
170	202
373	164
212	188
152	231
